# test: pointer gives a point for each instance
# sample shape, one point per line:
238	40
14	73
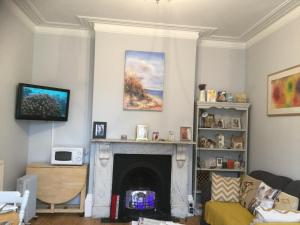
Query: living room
230	46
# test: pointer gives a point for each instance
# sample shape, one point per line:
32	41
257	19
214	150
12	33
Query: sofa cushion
293	188
285	201
277	216
226	213
265	196
248	190
225	189
275	181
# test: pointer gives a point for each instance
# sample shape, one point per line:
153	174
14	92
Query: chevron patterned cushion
225	189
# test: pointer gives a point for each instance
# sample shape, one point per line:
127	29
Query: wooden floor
67	219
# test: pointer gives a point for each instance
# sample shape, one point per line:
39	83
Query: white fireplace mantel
101	172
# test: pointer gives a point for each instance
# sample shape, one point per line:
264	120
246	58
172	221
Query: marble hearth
101	173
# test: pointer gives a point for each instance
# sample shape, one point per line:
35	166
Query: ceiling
230	20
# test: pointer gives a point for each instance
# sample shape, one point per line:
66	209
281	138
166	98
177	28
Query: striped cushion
225	189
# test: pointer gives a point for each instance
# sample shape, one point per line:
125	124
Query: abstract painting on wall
284	92
144	80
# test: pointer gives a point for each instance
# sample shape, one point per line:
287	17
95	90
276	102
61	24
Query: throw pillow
225	189
265	196
285	201
275	216
248	190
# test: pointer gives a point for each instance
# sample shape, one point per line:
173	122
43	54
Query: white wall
221	68
62	60
180	59
274	141
16	44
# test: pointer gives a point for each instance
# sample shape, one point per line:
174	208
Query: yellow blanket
226	213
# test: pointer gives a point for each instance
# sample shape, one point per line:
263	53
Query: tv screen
42	103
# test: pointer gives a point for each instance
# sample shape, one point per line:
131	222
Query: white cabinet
221	134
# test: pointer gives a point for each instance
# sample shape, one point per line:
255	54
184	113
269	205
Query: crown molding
91	22
208	33
20	14
145	31
277	13
38	19
63	31
222	44
288	18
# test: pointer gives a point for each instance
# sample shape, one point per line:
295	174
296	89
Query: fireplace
102	186
143	183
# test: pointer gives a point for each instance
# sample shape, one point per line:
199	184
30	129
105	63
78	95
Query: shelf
221	170
224	105
132	141
222	129
221	149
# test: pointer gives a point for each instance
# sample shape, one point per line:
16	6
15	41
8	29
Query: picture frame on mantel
142	132
284	92
99	130
185	134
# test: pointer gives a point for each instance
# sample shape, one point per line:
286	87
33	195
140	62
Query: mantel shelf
131	141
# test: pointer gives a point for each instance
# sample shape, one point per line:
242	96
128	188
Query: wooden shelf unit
58	185
226	111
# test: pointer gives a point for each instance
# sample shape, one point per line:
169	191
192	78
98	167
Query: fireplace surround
101	173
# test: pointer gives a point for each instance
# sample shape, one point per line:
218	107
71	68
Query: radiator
28	182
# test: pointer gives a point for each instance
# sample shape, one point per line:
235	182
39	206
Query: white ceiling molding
145	31
87	23
275	26
202	31
36	17
222	44
20	14
269	19
63	31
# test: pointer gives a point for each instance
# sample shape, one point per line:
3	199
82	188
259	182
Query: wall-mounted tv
36	102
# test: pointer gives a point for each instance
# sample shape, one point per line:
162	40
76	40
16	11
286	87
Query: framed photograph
284	92
219	162
220	123
99	130
236	123
142	132
185	133
237	142
221	97
155	136
211	96
144	80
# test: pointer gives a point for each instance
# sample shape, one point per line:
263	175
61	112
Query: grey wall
16	44
180	59
274	141
62	61
221	68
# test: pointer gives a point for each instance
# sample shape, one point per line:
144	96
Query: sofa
225	213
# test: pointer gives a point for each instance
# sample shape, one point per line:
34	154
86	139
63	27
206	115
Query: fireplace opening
143	184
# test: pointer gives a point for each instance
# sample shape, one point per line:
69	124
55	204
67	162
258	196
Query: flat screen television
36	102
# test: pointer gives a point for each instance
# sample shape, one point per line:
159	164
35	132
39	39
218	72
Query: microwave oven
67	156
